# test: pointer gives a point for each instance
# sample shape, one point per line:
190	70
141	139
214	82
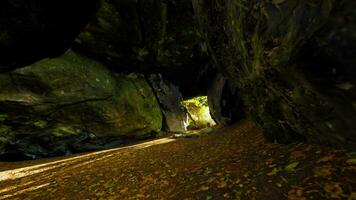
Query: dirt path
232	163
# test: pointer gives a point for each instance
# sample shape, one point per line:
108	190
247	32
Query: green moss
62	130
65	74
137	98
73	97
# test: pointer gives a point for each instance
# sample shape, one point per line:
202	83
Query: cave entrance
198	113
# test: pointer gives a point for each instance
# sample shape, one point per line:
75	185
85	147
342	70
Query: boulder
65	104
171	102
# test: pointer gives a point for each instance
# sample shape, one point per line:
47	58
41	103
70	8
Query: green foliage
198	110
197	101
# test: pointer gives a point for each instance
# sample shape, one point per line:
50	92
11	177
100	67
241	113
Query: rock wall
257	44
224	102
156	36
58	105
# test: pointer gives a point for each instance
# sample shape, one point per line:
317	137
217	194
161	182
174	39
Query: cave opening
198	113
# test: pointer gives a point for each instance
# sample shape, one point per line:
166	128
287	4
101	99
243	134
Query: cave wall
257	45
156	36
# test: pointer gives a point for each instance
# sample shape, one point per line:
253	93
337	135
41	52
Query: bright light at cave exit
199	112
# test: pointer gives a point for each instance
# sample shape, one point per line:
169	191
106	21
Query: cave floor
231	163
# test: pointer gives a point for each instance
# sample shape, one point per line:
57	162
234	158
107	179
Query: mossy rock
70	97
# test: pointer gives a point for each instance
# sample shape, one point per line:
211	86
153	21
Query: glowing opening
198	113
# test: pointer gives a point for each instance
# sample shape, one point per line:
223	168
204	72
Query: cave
178	99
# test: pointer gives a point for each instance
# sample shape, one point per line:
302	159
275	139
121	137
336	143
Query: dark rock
142	35
257	44
224	103
57	106
156	36
34	29
171	102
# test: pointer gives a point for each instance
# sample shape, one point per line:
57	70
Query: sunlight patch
198	113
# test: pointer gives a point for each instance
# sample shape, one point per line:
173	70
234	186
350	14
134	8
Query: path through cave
231	163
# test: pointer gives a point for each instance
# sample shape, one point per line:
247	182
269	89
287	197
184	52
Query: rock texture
171	102
257	44
58	105
224	103
156	36
288	65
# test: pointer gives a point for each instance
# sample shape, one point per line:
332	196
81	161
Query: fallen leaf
323	171
351	161
222	184
325	158
297	155
204	188
273	172
352	196
334	190
291	167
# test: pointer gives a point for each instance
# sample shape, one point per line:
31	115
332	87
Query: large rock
31	30
256	44
171	102
59	105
